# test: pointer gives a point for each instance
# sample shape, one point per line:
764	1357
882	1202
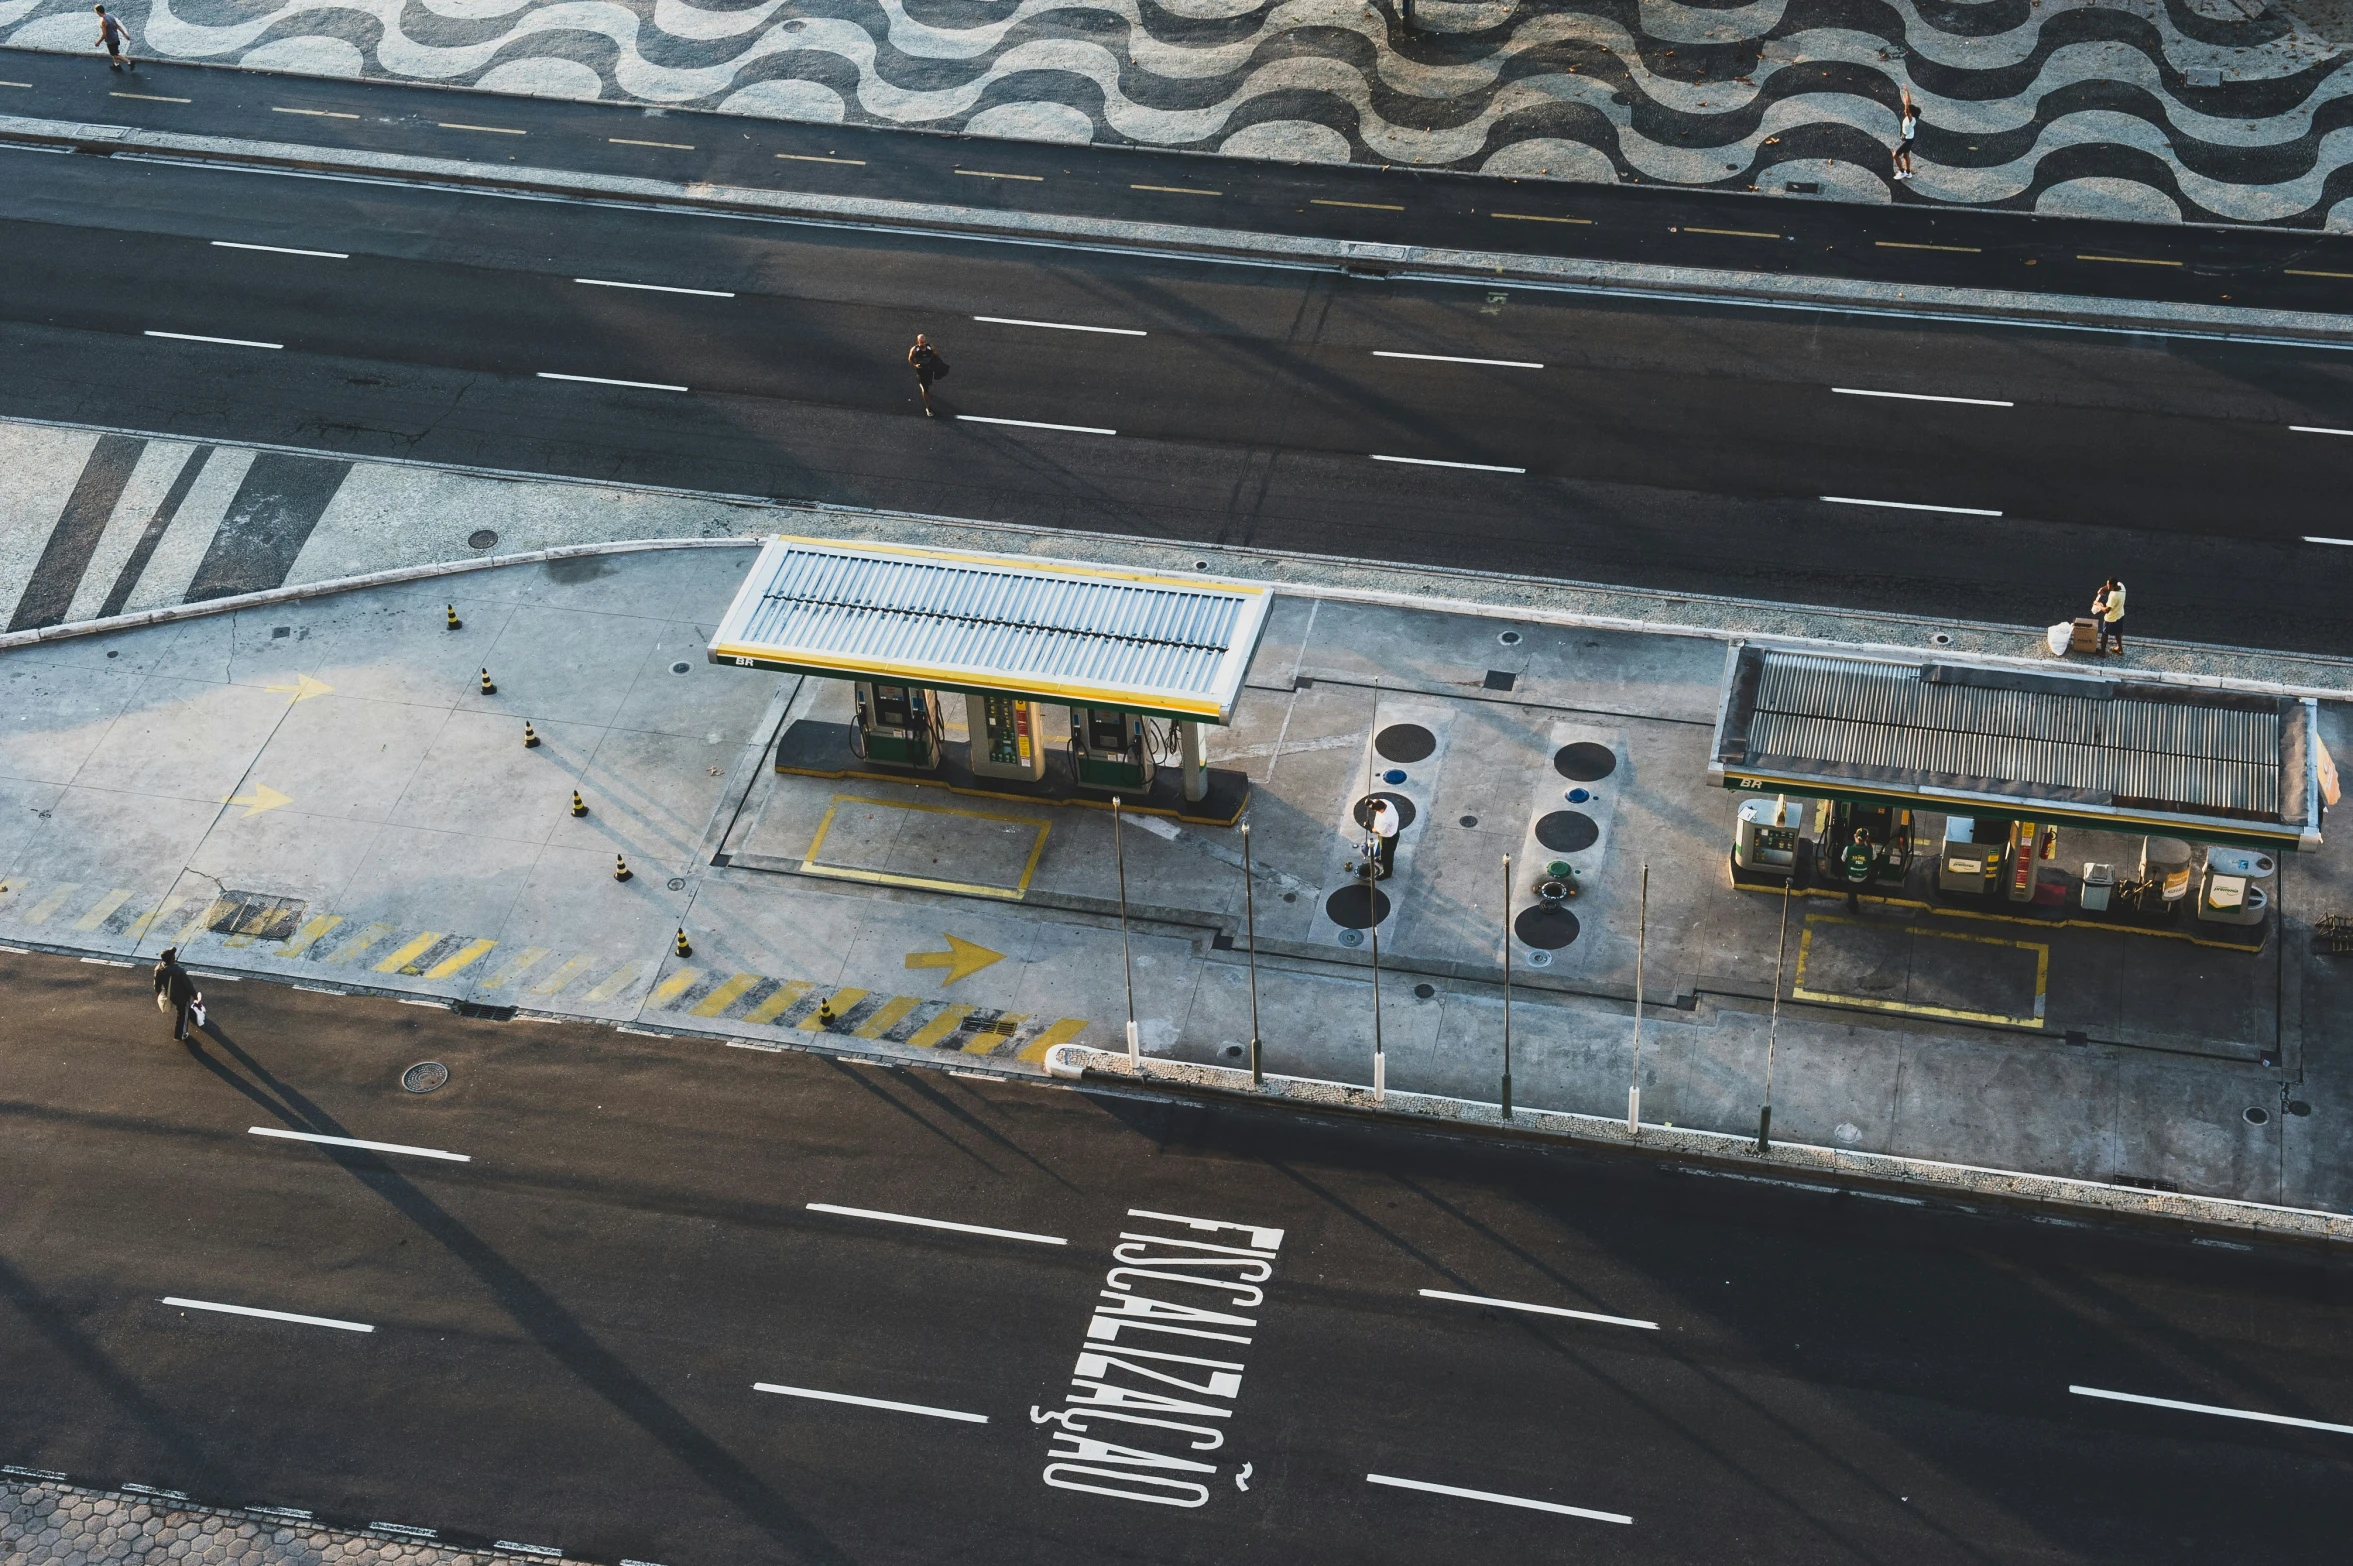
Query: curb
1731	1153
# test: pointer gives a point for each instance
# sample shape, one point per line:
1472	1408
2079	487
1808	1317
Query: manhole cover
1405	742
1584	762
1363	811
678	883
481	538
1470	821
1509	638
2256	1117
1357	906
2297	1106
681	667
1424	991
1566	831
1942	639
1233	1051
1540	959
424	1076
1546	929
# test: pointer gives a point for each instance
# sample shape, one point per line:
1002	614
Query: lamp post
1641	934
1507	986
1127	967
1773	1031
1250	915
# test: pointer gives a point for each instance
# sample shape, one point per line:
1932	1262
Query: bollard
488	689
454	622
530	740
620	868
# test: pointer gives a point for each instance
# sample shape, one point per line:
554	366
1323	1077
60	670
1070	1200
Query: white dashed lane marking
936	1223
1540	1310
871	1402
267	1315
1499	1500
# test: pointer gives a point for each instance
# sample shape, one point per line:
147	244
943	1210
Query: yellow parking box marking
102	910
1004	1028
676	985
525	960
948	1021
308	935
472	952
41	910
836	1003
1060	1033
359	943
563	976
620	979
786	997
1014	893
2034	1019
887	1016
724	996
409	953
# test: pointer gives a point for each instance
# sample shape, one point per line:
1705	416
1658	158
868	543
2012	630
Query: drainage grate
481	538
254	915
1500	680
483	1012
424	1076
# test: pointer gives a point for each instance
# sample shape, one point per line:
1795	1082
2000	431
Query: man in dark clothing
1858	862
111	34
928	366
175	989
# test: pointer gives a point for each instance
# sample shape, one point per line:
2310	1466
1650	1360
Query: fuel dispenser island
1766	836
898	726
1007	742
1110	750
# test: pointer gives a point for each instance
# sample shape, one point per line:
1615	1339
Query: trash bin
2098	881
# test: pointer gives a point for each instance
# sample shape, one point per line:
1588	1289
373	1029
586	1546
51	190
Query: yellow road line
413	950
102	910
1177	190
308	935
563	976
838	1002
673	146
620	979
1060	1033
674	986
2297	271
41	910
1035	179
2129	260
1898	244
316	114
1005	1027
493	130
1530	217
472	952
810	157
1369	206
948	1021
1732	233
525	960
786	996
724	996
886	1016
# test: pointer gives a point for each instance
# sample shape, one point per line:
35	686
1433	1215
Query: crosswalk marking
472	952
562	976
787	996
948	1021
40	911
524	961
724	996
622	978
102	910
837	1003
406	954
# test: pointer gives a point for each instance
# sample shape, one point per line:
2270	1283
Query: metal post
1641	934
1190	763
1127	967
1372	893
1507	986
1773	1032
1380	1060
1250	914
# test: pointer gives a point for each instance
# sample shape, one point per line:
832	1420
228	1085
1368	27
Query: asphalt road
568	1331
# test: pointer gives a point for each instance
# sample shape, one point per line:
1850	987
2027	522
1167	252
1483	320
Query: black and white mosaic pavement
2154	109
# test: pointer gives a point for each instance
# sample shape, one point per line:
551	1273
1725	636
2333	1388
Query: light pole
1641	933
1250	914
1507	986
1773	1031
1127	967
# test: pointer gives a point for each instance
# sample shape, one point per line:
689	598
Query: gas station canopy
2193	762
1002	625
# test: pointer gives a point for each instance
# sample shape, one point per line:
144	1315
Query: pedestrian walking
1857	863
1381	826
2108	614
116	40
175	991
928	366
1907	126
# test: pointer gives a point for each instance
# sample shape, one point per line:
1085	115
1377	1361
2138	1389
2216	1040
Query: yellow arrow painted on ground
962	959
303	688
262	798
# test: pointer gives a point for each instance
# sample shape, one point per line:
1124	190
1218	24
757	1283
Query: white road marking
1448	358
316	114
655	288
1062	326
1973	402
935	1223
226	342
670	146
147	97
352	1141
282	250
806	157
1433	462
1500	1500
494	130
2317	429
268	1315
1906	505
1541	1310
601	380
871	1402
2314	538
1032	424
2209	1408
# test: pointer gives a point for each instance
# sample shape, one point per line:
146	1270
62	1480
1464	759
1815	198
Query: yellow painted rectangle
948	1021
102	910
786	996
886	1016
985	1043
838	1002
1014	893
524	961
409	953
571	970
308	936
1060	1033
2042	978
724	996
676	985
41	910
471	952
615	982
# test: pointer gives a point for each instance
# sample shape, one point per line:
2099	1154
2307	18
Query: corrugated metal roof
1024	627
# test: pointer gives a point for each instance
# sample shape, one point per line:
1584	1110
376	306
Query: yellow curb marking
724	996
887	1016
838	1002
786	997
50	904
676	985
308	935
102	910
948	1021
472	952
409	953
1060	1033
563	976
525	960
622	977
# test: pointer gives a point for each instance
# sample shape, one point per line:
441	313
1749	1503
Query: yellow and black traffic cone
684	950
454	622
531	740
579	805
620	868
825	1013
488	689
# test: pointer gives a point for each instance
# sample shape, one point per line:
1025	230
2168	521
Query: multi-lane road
662	1301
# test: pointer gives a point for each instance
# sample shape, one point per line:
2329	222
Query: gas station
1076	683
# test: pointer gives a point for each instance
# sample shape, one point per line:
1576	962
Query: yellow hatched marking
472	952
162	910
563	976
983	1043
620	979
676	985
1060	1033
787	996
724	996
409	953
50	904
102	910
886	1016
840	1001
525	960
350	950
948	1021
308	936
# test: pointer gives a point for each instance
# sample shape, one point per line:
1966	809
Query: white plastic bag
196	1011
2059	636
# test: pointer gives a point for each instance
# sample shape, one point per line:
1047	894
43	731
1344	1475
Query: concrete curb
1638	280
1075	1062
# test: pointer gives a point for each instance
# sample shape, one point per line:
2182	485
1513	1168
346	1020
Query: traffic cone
579	805
531	740
488	689
620	868
825	1015
684	950
454	622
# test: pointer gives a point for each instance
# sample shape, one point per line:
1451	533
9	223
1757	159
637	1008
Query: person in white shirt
1380	847
2108	614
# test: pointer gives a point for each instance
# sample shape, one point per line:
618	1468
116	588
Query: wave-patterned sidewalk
2152	109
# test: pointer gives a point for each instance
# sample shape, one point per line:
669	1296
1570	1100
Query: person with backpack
928	366
112	35
175	992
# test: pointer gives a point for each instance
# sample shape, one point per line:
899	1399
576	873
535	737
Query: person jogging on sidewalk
1907	126
116	40
929	367
175	991
2108	614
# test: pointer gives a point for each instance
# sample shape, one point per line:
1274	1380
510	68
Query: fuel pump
1109	749
898	725
1008	744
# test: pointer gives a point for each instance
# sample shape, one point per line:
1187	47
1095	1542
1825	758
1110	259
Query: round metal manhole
1509	638
1356	906
1424	991
681	667
1233	1051
1470	821
1584	762
678	883
1539	959
1363	810
481	538
424	1076
2257	1116
1406	742
1942	638
2297	1106
1566	831
1545	927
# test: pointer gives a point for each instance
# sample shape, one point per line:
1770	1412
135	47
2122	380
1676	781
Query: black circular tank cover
1405	742
1546	929
1363	809
1584	762
1357	906
1566	831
